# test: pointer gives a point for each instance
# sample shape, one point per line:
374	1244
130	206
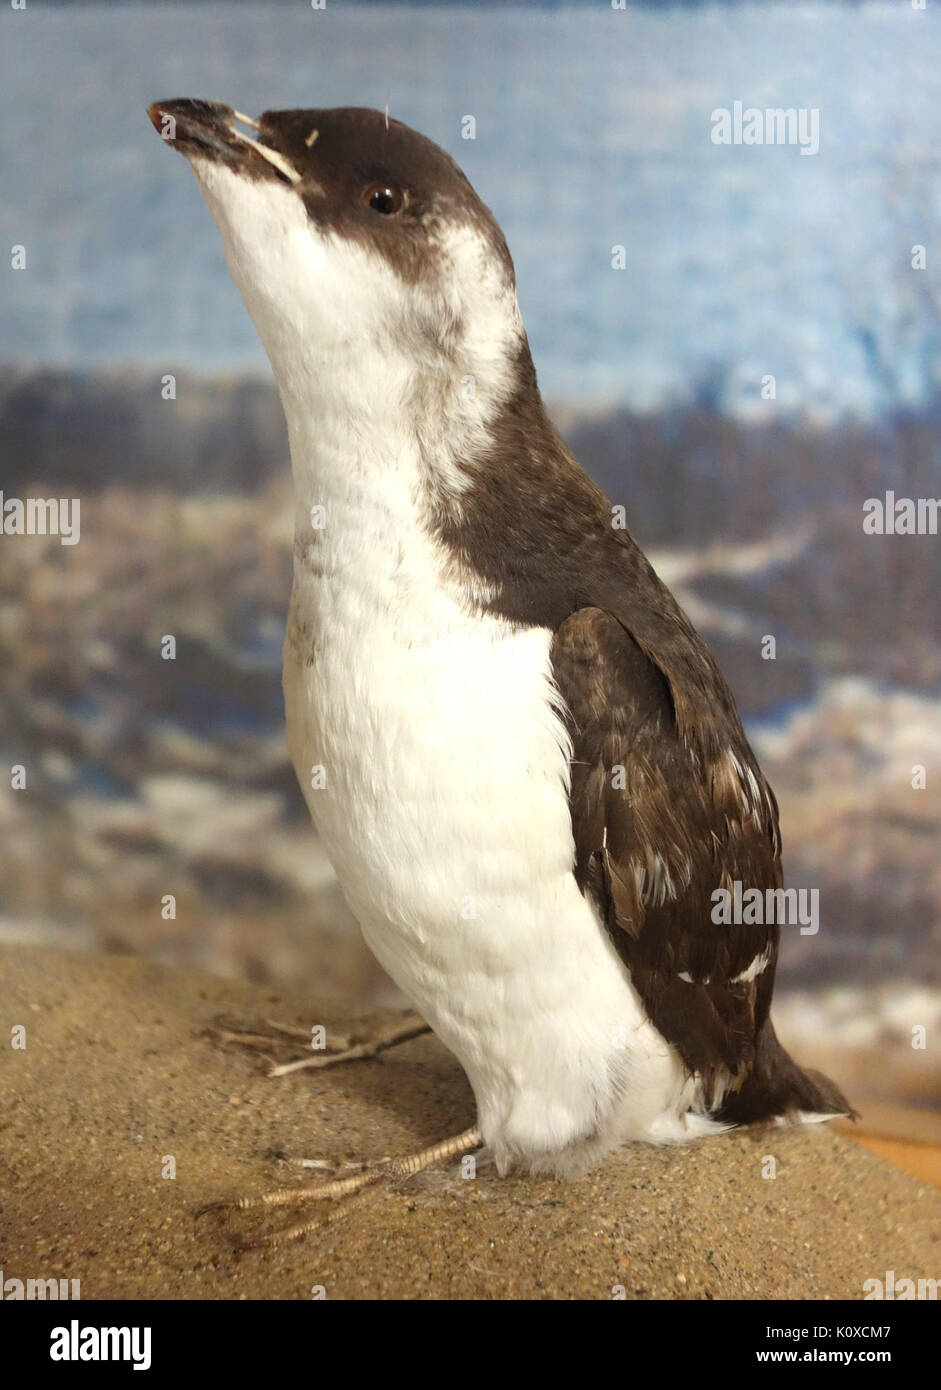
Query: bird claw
363	1176
337	1047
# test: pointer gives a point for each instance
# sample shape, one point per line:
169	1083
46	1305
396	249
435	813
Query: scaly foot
328	1048
368	1174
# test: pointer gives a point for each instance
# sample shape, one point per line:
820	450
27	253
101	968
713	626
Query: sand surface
121	1071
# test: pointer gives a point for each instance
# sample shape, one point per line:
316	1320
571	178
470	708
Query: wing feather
668	804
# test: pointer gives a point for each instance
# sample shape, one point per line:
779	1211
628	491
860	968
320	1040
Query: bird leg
371	1172
336	1047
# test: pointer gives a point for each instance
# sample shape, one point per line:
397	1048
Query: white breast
444	811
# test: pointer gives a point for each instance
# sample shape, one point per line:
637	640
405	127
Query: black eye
383	197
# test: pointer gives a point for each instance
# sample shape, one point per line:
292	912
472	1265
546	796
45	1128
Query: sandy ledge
119	1071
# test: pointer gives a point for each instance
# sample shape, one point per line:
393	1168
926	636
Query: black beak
208	128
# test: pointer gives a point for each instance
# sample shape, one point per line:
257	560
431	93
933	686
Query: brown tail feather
776	1085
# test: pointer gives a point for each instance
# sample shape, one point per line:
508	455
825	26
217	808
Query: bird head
365	258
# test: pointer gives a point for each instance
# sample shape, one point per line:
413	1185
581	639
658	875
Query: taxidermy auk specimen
534	774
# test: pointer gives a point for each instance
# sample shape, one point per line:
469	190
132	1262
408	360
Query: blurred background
149	777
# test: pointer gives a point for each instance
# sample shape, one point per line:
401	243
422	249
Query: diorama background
149	777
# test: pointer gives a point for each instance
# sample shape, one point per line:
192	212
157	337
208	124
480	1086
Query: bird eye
382	197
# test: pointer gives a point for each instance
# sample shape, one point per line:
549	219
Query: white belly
444	811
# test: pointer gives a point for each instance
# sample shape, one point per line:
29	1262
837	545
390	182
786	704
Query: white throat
387	386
